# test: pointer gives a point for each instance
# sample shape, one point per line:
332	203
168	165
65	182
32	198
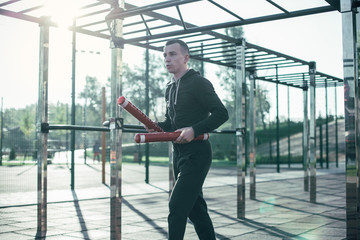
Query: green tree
134	85
227	81
91	95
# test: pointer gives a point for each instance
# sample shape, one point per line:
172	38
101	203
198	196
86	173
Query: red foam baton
164	136
138	114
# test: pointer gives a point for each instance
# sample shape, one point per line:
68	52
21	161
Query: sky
311	38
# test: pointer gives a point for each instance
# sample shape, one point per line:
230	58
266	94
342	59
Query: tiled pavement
282	209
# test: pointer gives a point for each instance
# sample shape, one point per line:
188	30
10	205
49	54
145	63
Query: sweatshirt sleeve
166	124
210	101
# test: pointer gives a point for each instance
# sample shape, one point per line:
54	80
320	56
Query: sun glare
61	12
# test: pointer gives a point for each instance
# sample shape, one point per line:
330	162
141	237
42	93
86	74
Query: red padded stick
163	137
138	114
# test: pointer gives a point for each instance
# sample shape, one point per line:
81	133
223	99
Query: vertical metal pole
103	136
270	144
288	104
327	125
147	110
321	145
239	122
2	131
252	123
202	69
73	106
42	118
277	123
67	132
312	142
116	134
171	173
336	131
246	123
351	98
305	137
85	122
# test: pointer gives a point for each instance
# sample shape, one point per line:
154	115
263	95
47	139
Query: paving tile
9	228
13	235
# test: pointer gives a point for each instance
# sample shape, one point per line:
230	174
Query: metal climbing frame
213	47
150	25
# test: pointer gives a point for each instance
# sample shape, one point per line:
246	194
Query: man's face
175	60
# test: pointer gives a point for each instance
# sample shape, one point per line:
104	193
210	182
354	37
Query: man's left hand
187	135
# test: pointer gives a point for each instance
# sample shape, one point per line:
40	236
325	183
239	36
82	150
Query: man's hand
187	135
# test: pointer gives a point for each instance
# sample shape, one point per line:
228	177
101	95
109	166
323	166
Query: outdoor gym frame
212	47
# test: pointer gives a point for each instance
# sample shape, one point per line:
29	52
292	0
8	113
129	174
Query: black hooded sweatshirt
192	102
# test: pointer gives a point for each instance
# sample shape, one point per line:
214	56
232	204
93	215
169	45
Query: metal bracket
114	123
119	123
117	41
312	67
241	131
44	127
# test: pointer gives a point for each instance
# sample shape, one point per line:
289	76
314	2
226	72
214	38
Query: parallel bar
126	128
312	142
240	136
42	138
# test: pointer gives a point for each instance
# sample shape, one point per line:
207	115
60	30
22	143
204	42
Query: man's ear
187	57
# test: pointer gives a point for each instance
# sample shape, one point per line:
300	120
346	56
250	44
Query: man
193	108
96	151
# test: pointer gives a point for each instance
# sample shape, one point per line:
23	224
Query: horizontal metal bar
8	2
77	127
224	131
226	10
140	10
134	127
51	24
126	129
234	23
278	6
92	128
269	80
31	9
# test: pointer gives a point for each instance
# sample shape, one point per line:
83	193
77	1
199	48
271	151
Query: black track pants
191	164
